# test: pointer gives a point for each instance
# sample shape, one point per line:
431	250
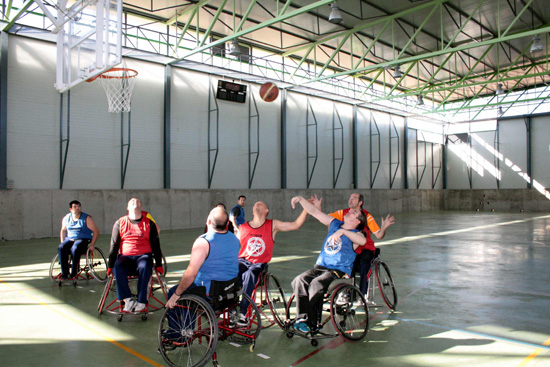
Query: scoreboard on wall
231	91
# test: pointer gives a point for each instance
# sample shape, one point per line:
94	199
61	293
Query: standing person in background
236	216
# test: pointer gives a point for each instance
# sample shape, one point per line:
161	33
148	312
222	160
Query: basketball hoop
118	84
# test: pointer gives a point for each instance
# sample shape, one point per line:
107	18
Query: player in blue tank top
214	256
78	229
335	261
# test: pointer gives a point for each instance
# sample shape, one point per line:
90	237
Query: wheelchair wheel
96	264
276	298
250	332
386	285
291	308
349	312
188	333
55	268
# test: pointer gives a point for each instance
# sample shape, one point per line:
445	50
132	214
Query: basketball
269	92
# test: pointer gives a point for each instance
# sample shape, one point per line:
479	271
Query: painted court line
112	341
545	345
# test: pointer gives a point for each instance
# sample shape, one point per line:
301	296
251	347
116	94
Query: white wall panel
512	146
483	160
540	150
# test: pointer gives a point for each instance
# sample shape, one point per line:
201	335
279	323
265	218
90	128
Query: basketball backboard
89	39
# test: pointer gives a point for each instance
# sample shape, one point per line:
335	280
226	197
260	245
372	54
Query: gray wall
38	213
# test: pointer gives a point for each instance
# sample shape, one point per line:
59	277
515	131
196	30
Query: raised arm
385	224
311	209
357	238
289	226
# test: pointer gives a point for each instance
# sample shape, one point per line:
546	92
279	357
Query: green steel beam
20	12
245	15
432	54
364	26
256	27
491	105
213	22
184	30
192	8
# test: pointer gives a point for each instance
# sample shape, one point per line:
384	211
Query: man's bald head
218	218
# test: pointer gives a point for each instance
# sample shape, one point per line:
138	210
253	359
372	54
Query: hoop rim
131	73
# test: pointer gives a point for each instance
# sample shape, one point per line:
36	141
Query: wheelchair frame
344	306
94	267
193	341
272	296
116	307
384	283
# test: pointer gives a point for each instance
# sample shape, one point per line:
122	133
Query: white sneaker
242	320
140	307
343	299
129	304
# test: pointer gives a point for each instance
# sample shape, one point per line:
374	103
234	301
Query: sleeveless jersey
257	243
134	237
337	255
77	229
371	227
222	262
239	219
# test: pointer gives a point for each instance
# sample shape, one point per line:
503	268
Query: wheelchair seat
224	294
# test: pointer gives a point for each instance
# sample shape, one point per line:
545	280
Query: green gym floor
473	290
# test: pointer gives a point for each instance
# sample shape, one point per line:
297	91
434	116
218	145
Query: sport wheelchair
269	294
91	266
343	305
384	283
111	304
188	334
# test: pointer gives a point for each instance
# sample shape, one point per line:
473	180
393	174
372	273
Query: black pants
309	289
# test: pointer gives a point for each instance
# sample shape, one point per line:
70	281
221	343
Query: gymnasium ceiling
451	52
448	51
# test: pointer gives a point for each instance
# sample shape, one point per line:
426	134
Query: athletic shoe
301	327
129	304
140	307
242	321
343	299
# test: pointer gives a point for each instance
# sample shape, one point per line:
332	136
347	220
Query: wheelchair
384	284
92	266
188	334
269	295
344	306
112	305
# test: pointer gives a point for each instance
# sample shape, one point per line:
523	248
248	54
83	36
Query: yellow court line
110	340
533	355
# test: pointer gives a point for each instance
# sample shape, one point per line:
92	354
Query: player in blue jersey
78	230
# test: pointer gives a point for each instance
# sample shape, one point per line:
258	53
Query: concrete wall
528	200
37	213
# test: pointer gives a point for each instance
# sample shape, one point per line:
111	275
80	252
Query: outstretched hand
294	201
316	201
388	221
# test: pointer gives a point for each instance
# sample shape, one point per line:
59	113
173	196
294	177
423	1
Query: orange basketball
269	92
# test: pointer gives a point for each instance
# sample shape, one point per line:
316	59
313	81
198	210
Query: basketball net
118	84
